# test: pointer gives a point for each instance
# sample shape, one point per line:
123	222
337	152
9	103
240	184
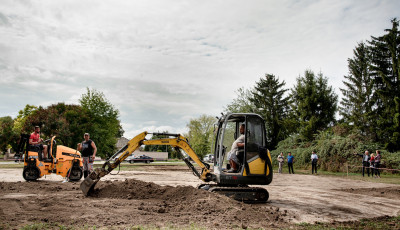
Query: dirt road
165	196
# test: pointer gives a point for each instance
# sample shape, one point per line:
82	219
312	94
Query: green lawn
384	223
386	177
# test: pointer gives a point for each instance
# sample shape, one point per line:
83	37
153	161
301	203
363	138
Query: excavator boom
177	141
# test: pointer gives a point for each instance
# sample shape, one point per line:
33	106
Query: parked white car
208	158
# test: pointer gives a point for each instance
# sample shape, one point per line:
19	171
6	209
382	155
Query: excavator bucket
87	186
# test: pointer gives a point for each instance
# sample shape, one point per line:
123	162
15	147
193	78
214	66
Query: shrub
334	151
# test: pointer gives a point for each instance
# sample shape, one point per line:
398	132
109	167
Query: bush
333	151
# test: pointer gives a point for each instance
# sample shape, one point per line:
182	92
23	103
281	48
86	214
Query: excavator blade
87	186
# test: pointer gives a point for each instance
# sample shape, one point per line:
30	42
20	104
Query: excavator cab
254	158
255	166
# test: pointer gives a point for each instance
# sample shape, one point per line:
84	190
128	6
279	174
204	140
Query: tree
19	121
67	122
242	103
385	66
95	115
268	97
314	104
201	134
7	136
104	126
357	102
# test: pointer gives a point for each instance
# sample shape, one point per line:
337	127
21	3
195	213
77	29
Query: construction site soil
165	196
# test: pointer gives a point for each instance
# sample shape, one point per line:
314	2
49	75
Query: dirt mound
388	192
183	199
136	189
128	203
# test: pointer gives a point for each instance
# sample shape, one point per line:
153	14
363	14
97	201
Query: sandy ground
130	198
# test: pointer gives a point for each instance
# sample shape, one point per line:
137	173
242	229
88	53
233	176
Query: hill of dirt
129	203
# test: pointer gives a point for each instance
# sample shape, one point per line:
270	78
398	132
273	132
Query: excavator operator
232	156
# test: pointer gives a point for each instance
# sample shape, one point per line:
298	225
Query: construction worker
36	141
88	150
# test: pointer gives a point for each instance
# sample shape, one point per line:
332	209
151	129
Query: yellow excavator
255	166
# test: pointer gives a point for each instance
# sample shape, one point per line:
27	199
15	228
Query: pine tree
357	102
268	97
385	65
242	103
314	104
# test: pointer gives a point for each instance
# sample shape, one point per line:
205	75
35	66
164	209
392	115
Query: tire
147	162
31	174
76	174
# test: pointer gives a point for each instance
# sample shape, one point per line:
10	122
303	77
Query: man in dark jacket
365	162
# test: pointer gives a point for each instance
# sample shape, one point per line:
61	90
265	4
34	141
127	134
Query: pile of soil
130	203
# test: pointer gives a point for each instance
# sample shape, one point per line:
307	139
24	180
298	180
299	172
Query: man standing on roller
88	150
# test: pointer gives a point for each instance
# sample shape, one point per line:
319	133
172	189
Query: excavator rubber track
250	195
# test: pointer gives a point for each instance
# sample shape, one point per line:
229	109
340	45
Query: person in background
290	161
365	162
280	159
377	164
314	161
36	141
89	150
372	164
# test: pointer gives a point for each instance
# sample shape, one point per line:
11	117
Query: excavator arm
178	141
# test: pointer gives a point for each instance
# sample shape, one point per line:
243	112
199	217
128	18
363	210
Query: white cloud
162	63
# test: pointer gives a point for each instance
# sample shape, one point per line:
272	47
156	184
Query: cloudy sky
164	62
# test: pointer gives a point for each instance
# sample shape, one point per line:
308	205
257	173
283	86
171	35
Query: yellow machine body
61	160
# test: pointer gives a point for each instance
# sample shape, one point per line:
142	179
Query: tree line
370	106
304	118
94	115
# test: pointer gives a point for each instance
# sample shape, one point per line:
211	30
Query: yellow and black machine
255	166
62	160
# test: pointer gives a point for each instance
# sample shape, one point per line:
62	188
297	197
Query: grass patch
387	178
12	165
39	226
384	222
43	226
